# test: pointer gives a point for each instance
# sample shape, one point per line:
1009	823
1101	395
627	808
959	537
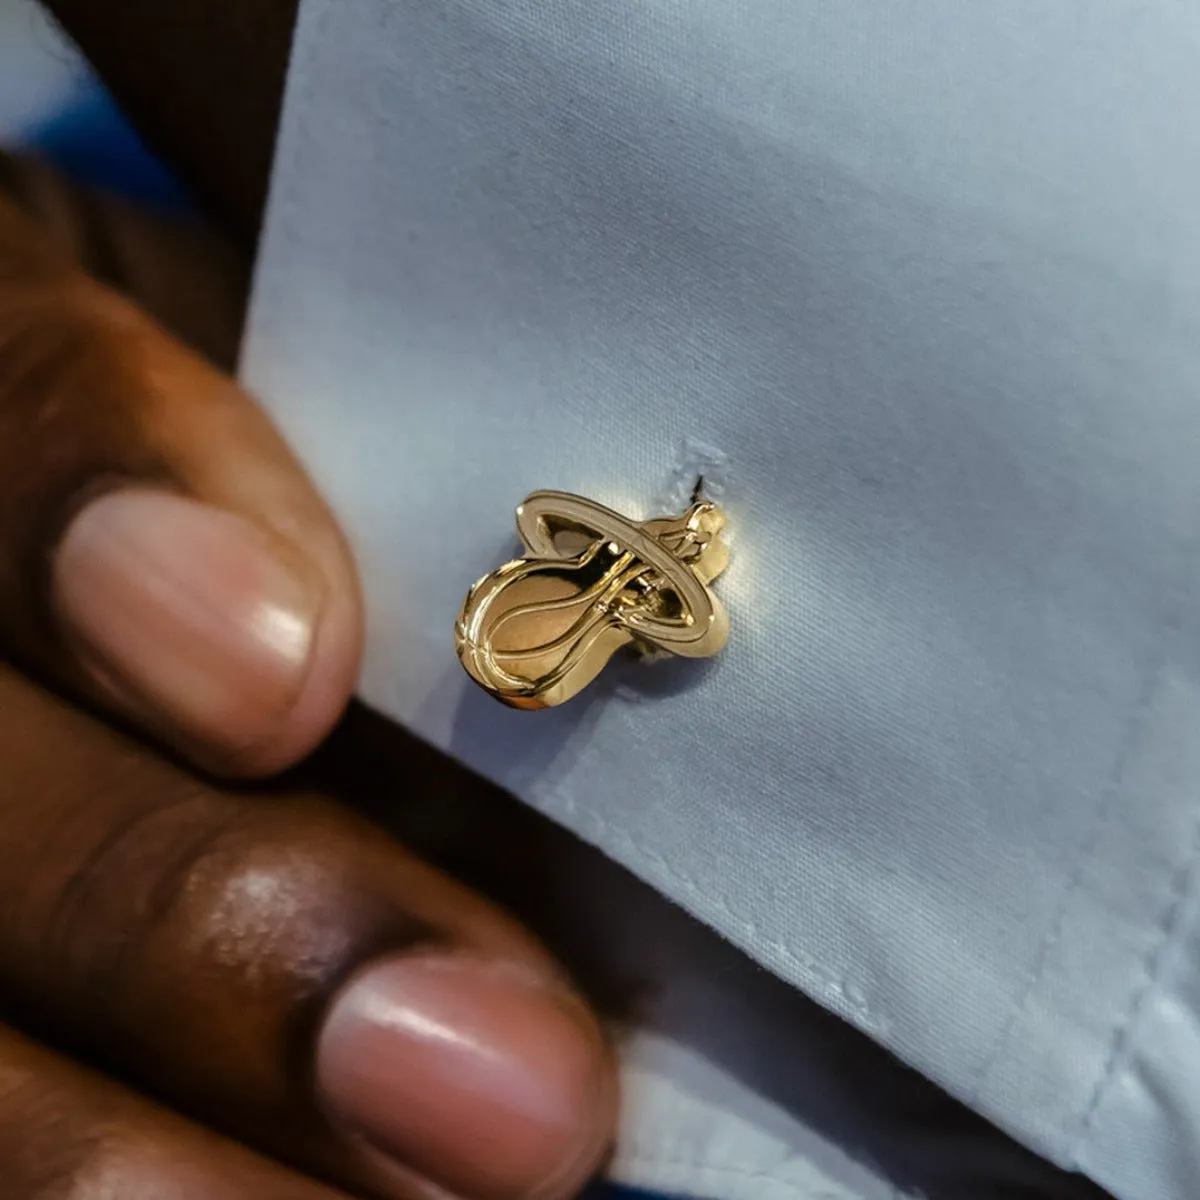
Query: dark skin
192	956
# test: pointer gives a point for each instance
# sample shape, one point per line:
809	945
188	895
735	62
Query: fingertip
321	700
481	1077
208	627
198	584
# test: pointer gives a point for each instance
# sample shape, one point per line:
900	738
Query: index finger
161	550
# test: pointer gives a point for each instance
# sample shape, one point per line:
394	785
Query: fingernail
192	613
479	1077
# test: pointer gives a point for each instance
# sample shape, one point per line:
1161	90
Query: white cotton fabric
913	285
738	1087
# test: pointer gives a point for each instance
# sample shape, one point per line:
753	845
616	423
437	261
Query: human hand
267	964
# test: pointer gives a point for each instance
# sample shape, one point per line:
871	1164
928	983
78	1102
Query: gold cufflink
539	629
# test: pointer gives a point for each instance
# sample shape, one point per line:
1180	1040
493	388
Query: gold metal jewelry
539	629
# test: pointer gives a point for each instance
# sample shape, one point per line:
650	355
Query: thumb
161	551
